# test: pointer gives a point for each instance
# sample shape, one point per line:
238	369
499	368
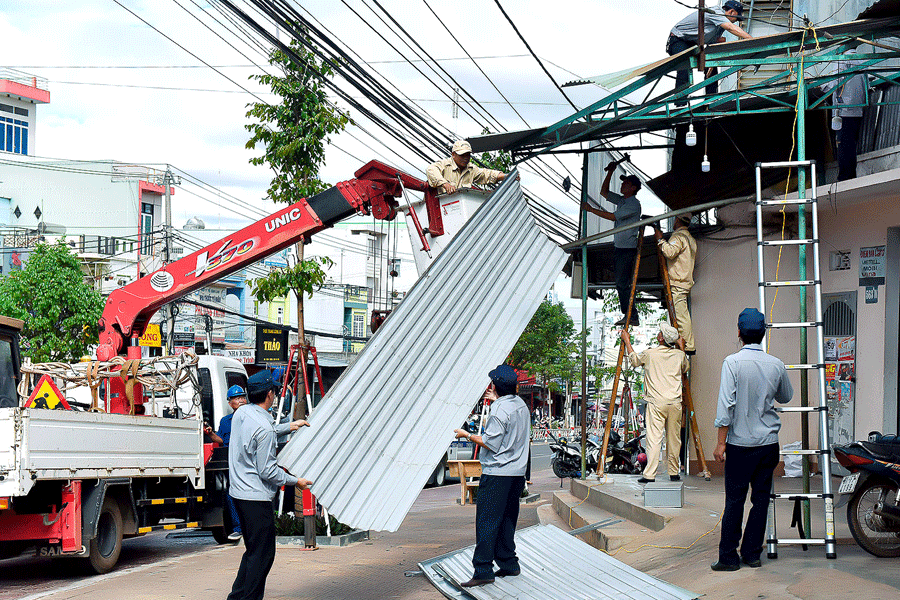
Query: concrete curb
294	541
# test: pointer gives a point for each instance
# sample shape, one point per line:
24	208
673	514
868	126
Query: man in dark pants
752	381
504	456
625	243
255	479
848	99
716	20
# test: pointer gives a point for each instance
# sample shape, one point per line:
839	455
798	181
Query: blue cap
261	382
751	322
734	4
236	391
503	375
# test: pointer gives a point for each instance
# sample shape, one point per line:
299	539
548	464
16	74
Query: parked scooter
566	461
626	458
873	512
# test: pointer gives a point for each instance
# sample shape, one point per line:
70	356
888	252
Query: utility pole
170	313
701	36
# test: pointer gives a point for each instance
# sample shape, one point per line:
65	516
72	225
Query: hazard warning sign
47	395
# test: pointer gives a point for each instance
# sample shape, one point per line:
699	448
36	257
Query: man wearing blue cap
752	381
255	479
716	20
504	459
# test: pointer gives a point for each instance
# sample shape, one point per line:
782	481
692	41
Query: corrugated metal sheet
554	565
381	429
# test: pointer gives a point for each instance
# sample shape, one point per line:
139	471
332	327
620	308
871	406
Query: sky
121	90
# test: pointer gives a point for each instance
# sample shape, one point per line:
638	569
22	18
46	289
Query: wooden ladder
687	398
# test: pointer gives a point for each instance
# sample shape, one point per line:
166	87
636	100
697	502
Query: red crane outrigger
374	190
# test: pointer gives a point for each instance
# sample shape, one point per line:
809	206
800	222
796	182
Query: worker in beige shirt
680	252
455	172
663	366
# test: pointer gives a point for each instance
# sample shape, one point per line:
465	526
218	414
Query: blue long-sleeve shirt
251	456
752	381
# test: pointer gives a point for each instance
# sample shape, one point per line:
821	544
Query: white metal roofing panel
379	432
554	565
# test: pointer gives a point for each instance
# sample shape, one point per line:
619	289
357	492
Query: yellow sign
47	395
151	337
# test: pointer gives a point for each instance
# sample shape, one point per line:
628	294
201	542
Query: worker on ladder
680	251
626	243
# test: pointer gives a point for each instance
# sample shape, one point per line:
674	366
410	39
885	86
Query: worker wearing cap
663	366
680	251
255	479
504	459
455	172
625	243
237	398
716	20
752	381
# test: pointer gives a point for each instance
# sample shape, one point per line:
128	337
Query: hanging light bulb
704	166
691	138
836	122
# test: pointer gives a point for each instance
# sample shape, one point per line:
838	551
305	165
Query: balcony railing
23	78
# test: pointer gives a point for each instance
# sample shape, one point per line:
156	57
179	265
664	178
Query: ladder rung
809	452
795	496
785	163
790	325
790	283
802	409
801	542
805	366
804	242
786	202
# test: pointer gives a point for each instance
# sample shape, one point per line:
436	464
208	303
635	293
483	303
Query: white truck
75	483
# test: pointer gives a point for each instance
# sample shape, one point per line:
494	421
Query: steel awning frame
609	117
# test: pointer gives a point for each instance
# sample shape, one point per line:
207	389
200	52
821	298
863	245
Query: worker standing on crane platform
455	172
680	252
716	20
663	366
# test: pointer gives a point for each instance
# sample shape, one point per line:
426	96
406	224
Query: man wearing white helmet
663	366
455	172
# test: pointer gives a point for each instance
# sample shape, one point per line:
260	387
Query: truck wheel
220	535
107	545
440	474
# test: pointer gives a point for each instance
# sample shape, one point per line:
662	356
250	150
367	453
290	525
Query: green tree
294	133
547	348
60	310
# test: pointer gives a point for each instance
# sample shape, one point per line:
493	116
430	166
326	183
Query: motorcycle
626	458
566	461
873	510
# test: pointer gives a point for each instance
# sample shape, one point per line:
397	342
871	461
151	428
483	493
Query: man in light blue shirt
752	381
504	459
255	479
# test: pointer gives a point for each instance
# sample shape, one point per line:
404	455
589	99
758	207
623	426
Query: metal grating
554	565
379	432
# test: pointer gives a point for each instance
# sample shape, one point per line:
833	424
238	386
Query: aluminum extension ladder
824	451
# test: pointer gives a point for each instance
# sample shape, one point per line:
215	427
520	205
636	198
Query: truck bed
38	444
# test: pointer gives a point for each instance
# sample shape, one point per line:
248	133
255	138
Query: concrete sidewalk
374	570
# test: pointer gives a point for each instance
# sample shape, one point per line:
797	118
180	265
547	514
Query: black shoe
476	582
719	566
753	564
506	573
645	480
674	477
690	352
619	323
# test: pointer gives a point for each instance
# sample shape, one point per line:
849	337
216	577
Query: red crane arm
128	309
